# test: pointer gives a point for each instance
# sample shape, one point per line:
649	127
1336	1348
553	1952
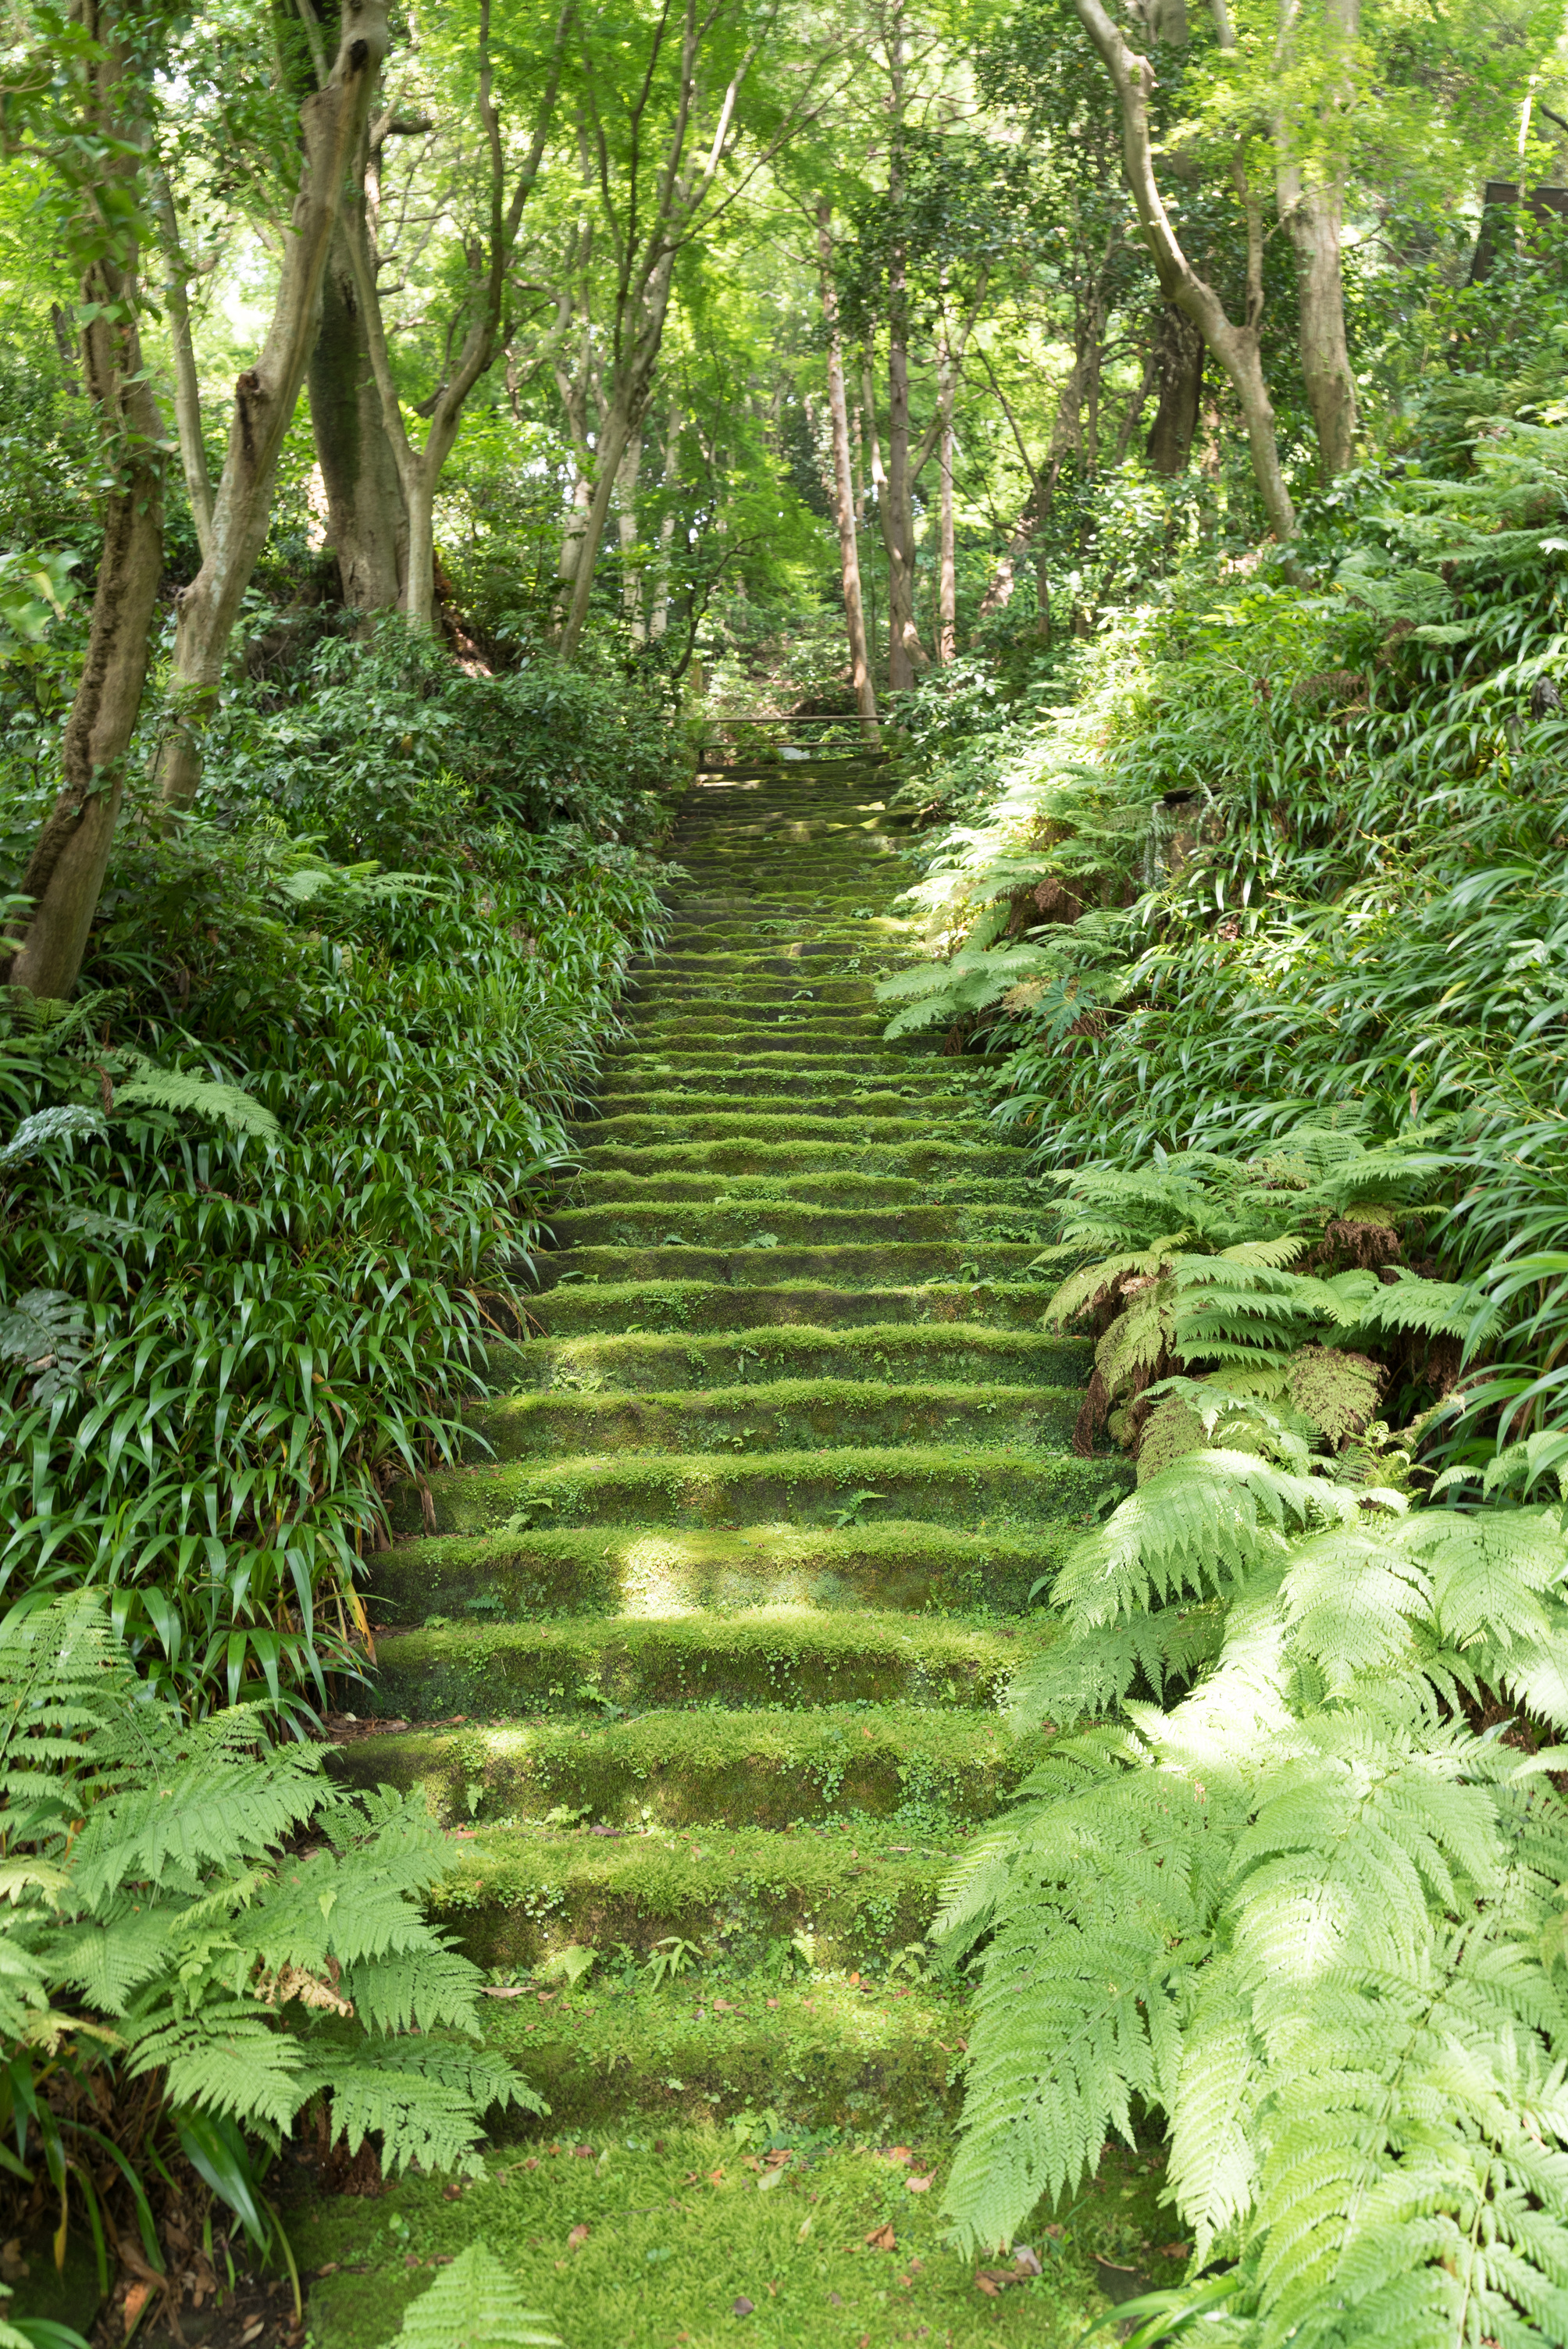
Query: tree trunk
619	424
367	510
1315	222
844	489
1315	215
331	125
627	479
947	561
1235	348
64	873
659	617
187	391
905	651
1179	372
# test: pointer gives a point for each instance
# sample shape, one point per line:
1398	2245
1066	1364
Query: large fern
1312	1912
183	1899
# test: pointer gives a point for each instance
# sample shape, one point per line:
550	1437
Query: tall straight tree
331	130
843	485
1317	57
81	106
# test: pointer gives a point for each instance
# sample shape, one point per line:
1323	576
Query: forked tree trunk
367	510
1235	348
844	489
331	123
64	873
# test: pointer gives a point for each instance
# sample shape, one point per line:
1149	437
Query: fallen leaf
921	2185
772	2004
1027	2260
882	2238
716	2177
493	1990
583	2152
577	2238
897	2153
135	2302
779	2158
770	2179
743	2307
330	2269
987	2284
1173	2252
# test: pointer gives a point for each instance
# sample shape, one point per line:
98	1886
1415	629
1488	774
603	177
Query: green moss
949	1486
796	1654
945	1353
763	1767
677	2234
607	1569
675	1305
517	1893
784	1413
876	1265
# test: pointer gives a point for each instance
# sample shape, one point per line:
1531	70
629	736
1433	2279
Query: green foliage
473	2304
188	1901
270	1185
1309	1911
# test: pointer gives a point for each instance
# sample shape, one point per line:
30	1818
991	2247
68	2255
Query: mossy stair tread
754	1767
680	1302
731	1224
762	1412
893	1263
936	1352
751	1656
1006	1482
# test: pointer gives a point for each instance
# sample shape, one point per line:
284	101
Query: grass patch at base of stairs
679	2230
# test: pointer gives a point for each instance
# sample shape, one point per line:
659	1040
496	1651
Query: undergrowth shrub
1310	1911
1299	854
296	1140
205	1946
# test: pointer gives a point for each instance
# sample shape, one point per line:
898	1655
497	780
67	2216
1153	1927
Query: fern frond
1196	1529
474	2305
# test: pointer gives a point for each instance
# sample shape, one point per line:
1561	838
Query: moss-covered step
767	1261
715	1062
825	2049
953	1486
783	1413
659	1572
790	1127
768	1655
936	1160
672	1305
648	1084
662	1096
661	1223
944	1354
760	1767
670	1185
517	1893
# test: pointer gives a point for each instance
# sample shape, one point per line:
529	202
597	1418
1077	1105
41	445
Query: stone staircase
706	1656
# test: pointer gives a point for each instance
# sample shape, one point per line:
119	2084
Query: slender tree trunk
947	561
1235	348
1315	214
331	124
844	489
905	651
626	480
187	389
622	419
64	873
1179	373
366	510
659	615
